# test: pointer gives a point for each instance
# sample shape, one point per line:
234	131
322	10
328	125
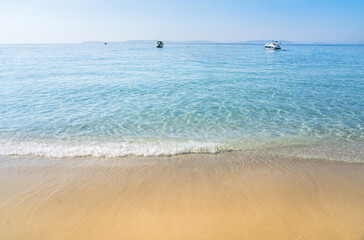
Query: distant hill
139	41
191	42
147	41
129	41
93	42
265	41
319	43
154	41
196	41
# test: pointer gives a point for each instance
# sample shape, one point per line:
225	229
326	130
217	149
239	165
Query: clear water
134	99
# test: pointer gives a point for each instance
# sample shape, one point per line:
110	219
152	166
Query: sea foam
106	149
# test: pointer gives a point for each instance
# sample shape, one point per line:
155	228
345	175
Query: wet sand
232	195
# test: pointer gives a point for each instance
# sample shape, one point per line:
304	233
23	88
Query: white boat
274	45
160	44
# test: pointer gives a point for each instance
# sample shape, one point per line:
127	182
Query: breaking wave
106	149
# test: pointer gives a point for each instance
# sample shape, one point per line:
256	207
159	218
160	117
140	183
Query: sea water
120	99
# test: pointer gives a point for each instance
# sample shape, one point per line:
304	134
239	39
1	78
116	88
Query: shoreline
230	195
306	148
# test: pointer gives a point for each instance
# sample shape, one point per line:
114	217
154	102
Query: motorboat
160	44
273	45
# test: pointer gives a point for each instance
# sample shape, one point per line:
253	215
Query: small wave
110	149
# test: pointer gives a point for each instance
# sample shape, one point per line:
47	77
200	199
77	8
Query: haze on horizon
72	21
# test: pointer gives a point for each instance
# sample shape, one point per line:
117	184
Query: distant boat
160	44
105	43
273	45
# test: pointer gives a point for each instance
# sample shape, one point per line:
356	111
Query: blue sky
67	21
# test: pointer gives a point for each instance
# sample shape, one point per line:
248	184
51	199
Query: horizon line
186	41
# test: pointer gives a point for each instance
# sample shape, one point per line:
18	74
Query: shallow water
134	99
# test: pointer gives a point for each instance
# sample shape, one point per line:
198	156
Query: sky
73	21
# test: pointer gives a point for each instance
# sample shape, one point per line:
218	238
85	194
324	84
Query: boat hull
273	48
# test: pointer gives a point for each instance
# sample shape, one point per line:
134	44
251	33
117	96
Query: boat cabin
160	44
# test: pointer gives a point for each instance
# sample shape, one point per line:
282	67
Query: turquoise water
134	99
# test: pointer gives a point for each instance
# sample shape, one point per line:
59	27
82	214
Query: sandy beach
233	195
